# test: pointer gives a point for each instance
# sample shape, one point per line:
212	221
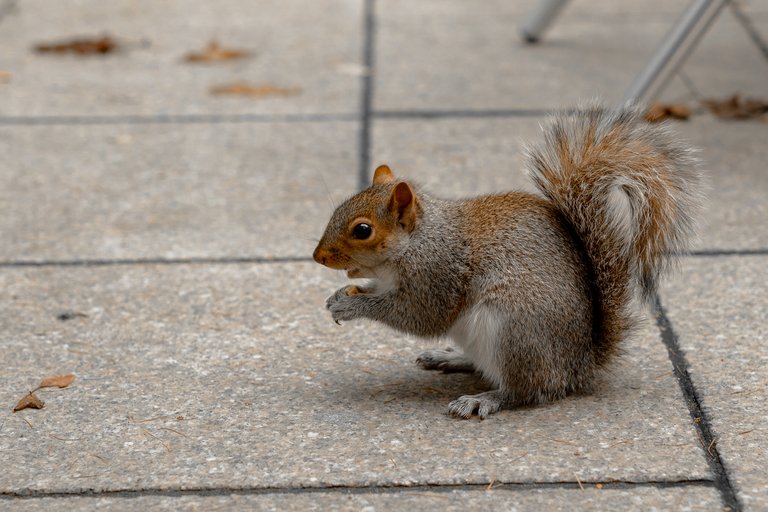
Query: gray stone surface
718	310
227	386
461	157
314	46
461	58
734	158
235	376
235	190
641	499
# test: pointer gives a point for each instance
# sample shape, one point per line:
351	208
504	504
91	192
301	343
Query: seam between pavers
321	117
177	119
701	421
155	261
364	118
727	252
465	113
366	92
277	259
372	489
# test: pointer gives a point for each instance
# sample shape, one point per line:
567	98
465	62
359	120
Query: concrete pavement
179	225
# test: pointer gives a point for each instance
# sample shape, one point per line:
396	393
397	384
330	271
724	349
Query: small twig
490	485
174	431
746	392
102	459
134	420
150	434
579	482
62	438
91	454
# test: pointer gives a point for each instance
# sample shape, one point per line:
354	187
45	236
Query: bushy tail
631	193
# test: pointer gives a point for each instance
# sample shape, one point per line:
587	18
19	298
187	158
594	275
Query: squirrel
537	290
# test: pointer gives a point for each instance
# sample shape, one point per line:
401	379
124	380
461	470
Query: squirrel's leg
447	360
480	332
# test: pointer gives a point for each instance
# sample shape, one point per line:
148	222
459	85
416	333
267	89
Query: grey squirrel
538	292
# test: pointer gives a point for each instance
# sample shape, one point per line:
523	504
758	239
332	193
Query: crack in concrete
373	489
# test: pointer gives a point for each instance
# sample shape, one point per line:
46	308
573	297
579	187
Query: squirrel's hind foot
446	360
484	404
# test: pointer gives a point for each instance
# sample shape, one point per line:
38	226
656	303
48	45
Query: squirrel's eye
362	231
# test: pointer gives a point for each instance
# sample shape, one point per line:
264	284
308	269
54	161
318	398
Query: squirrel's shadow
414	387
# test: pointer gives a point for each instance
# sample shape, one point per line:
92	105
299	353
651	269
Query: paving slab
460	58
733	156
311	46
171	191
499	498
459	157
718	312
234	376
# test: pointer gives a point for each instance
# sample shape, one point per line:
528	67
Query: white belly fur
477	333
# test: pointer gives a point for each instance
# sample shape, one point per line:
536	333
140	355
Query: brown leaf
256	91
30	401
737	108
661	111
216	53
5	77
59	381
80	46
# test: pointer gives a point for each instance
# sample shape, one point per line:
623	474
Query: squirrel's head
367	229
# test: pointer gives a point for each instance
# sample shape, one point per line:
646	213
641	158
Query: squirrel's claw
343	306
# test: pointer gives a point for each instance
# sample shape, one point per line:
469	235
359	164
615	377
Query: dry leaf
737	108
30	401
80	46
256	91
5	77
59	381
216	53
661	111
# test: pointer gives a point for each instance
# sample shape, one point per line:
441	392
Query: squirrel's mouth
354	272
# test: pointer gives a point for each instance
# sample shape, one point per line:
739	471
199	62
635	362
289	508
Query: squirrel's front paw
342	304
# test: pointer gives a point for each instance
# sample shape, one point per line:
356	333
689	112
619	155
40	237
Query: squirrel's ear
383	174
402	202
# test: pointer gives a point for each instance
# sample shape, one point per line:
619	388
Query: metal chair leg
675	48
540	18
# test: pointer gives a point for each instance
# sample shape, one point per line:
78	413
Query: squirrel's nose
320	256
